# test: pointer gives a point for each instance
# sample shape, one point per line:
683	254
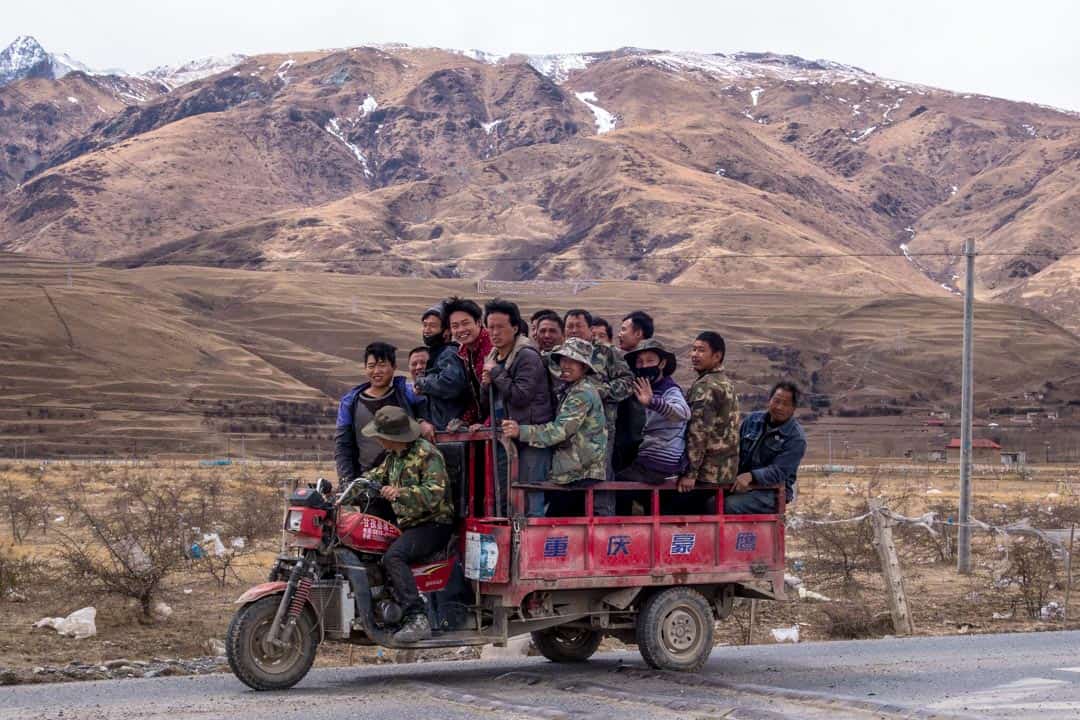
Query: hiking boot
414	629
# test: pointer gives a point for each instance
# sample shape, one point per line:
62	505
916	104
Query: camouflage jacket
420	472
614	380
712	437
578	433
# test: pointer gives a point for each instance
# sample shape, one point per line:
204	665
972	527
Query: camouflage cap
657	347
575	349
392	423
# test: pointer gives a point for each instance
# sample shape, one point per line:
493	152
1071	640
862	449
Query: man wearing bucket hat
663	448
413	479
578	433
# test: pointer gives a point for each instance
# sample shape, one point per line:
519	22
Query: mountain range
746	170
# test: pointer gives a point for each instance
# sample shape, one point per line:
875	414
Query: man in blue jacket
771	446
355	454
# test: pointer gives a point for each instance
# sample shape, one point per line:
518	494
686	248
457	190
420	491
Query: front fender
261	591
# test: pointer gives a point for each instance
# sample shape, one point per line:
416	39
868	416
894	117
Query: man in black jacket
444	386
355	454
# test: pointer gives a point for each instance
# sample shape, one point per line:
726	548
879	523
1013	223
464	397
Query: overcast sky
1019	50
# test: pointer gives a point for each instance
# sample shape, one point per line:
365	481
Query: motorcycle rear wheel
280	669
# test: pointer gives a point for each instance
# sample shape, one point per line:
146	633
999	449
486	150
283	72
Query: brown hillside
427	162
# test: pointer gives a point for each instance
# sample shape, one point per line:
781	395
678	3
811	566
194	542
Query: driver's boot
415	628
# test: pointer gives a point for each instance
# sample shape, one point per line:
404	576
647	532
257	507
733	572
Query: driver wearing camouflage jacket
414	481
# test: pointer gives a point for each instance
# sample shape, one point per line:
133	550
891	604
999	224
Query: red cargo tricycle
658	581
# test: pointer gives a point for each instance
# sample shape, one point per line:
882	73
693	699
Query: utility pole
963	551
830	450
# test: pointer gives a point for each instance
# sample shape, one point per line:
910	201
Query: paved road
993	676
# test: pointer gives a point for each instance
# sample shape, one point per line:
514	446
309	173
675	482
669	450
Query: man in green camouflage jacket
414	481
614	379
712	437
578	433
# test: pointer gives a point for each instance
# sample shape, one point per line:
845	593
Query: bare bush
132	543
938	546
837	550
855	619
1034	572
237	518
17	574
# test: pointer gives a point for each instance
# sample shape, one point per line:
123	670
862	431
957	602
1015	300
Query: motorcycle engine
387	612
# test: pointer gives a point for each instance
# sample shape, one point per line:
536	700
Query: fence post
1068	576
890	571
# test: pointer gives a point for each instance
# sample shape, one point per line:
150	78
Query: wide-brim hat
392	423
657	347
575	349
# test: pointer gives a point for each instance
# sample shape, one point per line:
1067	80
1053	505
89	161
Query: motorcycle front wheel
286	664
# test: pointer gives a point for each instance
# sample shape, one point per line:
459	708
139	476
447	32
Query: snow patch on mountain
605	121
489	127
368	106
334	128
559	67
174	76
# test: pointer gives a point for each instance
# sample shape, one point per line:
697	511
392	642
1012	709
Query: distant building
983	451
1014	460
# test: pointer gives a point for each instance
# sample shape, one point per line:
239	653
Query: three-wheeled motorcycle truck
659	581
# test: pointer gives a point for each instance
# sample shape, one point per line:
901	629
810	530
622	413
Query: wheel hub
680	630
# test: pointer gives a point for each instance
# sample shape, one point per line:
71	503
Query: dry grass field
197	362
832	560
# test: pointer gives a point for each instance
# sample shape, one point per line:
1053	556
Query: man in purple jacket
663	448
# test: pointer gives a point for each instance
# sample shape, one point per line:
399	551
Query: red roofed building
983	451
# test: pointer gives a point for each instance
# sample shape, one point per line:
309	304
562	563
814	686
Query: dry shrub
249	513
22	509
130	542
1033	571
18	574
837	551
919	544
854	619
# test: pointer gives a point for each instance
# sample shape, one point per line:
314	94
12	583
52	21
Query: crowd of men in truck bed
580	410
583	404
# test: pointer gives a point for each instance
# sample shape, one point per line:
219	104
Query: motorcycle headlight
295	518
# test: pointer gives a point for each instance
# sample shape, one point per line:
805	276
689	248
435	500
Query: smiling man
355	454
771	446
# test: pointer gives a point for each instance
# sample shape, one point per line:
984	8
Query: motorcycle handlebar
369	487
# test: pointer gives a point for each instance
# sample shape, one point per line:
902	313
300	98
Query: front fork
297	594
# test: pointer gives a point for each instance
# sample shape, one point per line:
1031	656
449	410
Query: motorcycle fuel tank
366	533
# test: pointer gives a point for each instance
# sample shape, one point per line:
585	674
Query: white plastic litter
515	648
58	519
161	611
215	542
1051	611
933	491
783	635
134	555
79	624
805	594
238	543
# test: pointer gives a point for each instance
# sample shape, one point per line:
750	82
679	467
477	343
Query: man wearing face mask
662	453
443	385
